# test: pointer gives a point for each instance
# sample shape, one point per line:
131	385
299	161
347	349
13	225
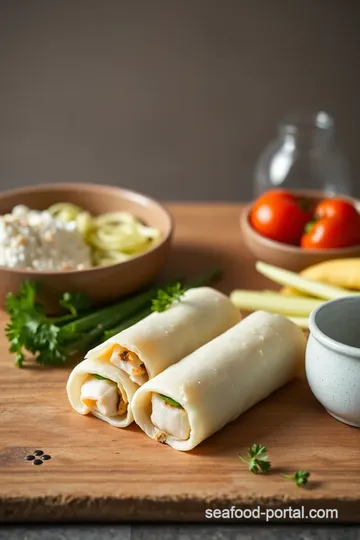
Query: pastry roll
103	390
105	382
203	392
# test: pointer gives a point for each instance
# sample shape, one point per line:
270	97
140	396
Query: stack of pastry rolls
105	382
186	372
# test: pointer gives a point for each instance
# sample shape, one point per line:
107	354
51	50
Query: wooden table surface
101	473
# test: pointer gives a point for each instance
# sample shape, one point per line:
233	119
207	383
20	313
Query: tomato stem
309	226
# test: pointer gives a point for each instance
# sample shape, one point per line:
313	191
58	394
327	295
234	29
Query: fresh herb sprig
258	460
167	296
29	328
300	478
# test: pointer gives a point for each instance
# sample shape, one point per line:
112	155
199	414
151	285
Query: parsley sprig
300	478
29	329
167	297
258	460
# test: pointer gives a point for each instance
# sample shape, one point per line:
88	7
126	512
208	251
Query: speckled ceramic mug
333	358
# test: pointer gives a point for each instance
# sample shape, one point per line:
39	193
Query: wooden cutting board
97	472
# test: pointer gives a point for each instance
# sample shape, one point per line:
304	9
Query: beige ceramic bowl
288	256
101	284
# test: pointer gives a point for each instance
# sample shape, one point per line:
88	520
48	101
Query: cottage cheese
32	239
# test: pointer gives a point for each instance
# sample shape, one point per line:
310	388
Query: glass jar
304	156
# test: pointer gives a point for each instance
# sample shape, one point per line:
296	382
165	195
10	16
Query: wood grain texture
101	473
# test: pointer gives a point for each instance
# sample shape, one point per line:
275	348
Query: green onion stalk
52	340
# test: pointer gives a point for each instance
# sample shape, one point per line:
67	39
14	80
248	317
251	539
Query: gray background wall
175	98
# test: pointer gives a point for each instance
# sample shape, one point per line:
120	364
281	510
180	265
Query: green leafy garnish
74	302
100	377
170	401
29	329
299	477
168	296
52	340
257	460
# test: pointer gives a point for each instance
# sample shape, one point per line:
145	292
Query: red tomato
280	216
340	208
331	233
275	193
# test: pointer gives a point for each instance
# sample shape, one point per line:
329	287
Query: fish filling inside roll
103	396
170	418
130	363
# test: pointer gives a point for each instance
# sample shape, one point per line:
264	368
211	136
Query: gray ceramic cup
333	358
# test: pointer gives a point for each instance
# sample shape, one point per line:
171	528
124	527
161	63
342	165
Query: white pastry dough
153	344
80	393
224	378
